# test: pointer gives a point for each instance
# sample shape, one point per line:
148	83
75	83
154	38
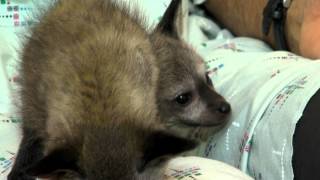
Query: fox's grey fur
88	96
187	102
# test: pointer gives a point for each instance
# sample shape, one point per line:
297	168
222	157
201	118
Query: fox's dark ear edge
60	160
160	144
167	24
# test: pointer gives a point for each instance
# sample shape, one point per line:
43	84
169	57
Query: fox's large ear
160	144
58	161
168	24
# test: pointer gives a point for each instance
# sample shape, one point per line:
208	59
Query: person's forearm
244	18
310	32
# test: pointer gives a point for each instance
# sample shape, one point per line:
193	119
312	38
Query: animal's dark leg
30	150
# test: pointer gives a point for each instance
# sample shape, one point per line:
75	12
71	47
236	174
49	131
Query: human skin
244	18
310	31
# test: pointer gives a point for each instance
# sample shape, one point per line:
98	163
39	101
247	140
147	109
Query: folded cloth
188	168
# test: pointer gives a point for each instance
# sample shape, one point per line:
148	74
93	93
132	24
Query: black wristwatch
276	12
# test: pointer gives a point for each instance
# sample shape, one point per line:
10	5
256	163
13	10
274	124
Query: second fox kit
89	80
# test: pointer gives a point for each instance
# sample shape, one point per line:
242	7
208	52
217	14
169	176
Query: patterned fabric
268	91
190	168
14	19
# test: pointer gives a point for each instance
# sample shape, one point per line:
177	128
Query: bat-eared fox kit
102	98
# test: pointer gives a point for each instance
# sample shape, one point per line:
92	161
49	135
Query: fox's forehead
196	59
198	66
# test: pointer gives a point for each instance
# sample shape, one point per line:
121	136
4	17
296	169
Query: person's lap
306	142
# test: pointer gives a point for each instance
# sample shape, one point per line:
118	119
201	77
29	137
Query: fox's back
91	58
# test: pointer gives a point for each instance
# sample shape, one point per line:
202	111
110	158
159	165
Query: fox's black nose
224	108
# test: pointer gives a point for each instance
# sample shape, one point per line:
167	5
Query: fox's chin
205	122
203	133
197	131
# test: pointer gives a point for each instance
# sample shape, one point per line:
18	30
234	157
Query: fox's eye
184	99
209	82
